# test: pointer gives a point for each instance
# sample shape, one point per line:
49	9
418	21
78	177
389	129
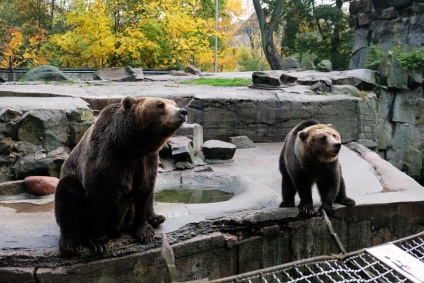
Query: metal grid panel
353	267
413	245
357	268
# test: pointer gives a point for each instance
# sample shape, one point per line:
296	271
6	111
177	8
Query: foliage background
158	33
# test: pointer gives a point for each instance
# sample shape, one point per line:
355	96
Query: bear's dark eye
161	105
323	138
334	135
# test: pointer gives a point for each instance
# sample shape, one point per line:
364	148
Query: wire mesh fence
358	266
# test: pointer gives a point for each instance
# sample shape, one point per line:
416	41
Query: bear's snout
183	113
337	146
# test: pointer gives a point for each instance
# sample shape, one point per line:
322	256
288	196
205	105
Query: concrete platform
29	234
28	227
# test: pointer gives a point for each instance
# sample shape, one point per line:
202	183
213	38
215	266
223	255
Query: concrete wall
223	248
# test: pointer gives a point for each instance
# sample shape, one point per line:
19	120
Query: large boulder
291	64
266	79
40	185
119	74
182	152
216	151
325	66
191	69
47	128
44	73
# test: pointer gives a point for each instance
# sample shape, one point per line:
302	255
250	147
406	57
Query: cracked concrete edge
391	178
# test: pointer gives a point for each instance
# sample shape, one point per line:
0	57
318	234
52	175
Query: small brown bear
310	155
106	185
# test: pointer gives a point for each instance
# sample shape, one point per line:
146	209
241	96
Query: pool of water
26	207
190	196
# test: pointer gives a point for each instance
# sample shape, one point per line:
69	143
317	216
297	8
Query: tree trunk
267	33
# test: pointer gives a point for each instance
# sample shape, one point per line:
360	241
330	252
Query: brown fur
310	155
107	182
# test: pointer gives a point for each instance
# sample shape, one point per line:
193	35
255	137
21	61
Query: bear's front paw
70	246
145	233
307	210
156	220
100	245
347	201
287	204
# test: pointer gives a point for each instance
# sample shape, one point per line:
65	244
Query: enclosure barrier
359	266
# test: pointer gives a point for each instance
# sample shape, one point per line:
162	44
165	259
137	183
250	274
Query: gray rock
362	19
193	70
270	78
182	152
193	132
384	135
406	106
43	127
288	78
344	89
415	78
363	79
309	65
291	64
178	73
242	142
26	147
119	74
389	13
6	145
8	114
54	167
325	66
80	115
12	188
218	150
392	73
36	168
44	72
320	87
360	6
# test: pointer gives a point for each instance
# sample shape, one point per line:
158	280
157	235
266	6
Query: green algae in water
189	196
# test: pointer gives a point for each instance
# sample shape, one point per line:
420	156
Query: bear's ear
127	102
330	126
303	135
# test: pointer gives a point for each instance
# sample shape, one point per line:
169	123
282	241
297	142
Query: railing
71	73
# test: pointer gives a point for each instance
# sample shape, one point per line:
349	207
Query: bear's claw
70	246
156	220
145	233
98	245
287	204
347	202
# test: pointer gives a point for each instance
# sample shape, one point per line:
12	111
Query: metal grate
358	266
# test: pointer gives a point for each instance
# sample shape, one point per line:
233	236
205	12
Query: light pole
216	38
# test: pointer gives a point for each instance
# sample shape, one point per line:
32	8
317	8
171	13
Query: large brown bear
310	155
107	182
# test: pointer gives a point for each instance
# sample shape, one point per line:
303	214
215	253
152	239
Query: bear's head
320	142
156	116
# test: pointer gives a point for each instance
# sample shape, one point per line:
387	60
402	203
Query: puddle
190	196
26	207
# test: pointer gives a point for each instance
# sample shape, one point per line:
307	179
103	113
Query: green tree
321	30
268	13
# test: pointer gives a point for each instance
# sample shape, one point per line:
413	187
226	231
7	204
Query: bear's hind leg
69	212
